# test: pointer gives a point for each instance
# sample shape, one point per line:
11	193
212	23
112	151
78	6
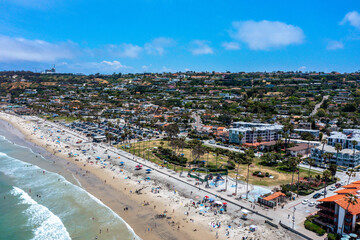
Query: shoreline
113	186
140	218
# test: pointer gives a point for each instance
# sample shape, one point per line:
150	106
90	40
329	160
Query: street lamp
293	218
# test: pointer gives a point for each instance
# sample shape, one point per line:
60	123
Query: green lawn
144	149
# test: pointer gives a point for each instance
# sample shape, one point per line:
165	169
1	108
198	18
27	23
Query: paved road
317	106
186	186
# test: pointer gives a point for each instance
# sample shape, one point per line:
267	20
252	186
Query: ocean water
41	205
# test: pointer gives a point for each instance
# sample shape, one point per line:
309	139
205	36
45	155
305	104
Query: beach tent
253	228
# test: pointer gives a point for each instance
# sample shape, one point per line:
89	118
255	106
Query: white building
251	132
346	157
345	138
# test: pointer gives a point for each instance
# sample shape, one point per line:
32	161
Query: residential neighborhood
248	127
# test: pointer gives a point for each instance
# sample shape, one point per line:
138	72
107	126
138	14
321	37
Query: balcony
325	208
322	214
324	223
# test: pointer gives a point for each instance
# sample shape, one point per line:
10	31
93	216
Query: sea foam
46	224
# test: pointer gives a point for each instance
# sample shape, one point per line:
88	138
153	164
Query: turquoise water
41	205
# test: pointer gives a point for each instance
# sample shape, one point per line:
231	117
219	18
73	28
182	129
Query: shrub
256	173
333	236
314	228
305	192
267	174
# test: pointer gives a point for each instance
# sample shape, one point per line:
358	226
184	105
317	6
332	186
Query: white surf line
77	180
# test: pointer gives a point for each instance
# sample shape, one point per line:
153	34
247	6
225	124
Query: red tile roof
331	199
352	186
341	198
273	196
347	190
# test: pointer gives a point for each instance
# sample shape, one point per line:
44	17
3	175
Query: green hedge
333	236
314	228
306	192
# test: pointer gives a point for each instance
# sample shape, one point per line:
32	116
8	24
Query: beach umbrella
218	202
206	196
197	197
211	199
121	162
224	203
148	170
97	158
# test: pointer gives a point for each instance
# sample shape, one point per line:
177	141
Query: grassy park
145	149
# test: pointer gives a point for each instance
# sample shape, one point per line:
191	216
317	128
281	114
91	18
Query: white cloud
158	45
265	35
167	70
103	66
114	64
231	45
302	68
21	49
145	67
201	47
125	50
334	45
353	18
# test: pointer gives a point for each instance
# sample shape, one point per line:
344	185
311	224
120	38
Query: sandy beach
156	208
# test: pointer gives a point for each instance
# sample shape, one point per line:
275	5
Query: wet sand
113	194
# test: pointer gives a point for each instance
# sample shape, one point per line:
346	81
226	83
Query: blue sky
87	36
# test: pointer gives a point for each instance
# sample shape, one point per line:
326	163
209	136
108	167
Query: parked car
311	204
316	195
332	188
305	201
337	185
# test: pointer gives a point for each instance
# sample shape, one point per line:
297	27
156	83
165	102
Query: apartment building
346	157
345	138
252	131
336	214
349	156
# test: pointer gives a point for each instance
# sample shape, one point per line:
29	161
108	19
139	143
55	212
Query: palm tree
354	143
338	149
248	160
327	156
308	138
323	142
217	152
311	162
241	136
292	164
351	200
326	176
259	140
237	157
350	173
